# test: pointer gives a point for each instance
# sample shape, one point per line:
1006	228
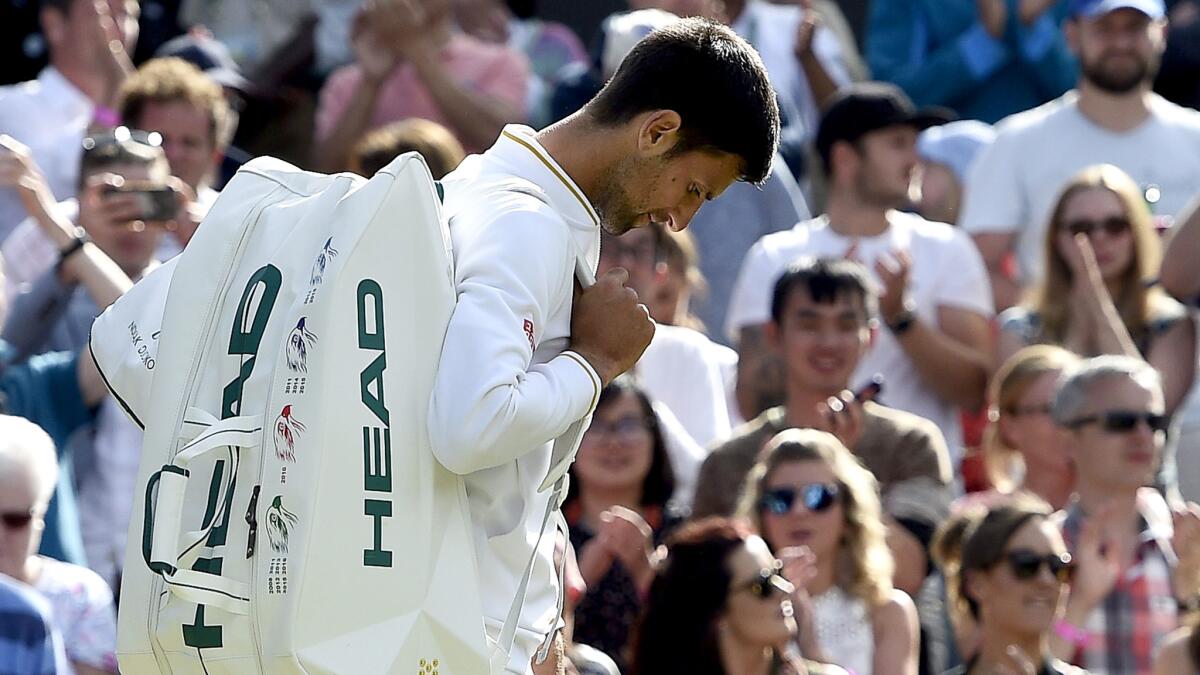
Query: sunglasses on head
815	497
1112	226
1124	421
16	520
768	582
1026	564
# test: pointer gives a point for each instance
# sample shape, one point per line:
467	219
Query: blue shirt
29	644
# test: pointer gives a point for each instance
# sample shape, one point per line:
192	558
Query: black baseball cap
860	108
210	56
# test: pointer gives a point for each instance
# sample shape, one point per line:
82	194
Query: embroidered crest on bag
279	525
298	343
287	428
328	252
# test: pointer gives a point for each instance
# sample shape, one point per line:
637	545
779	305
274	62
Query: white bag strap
163	516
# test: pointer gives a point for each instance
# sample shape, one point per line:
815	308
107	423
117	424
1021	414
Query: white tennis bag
293	518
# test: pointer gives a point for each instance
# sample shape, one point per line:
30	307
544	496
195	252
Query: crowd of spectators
923	401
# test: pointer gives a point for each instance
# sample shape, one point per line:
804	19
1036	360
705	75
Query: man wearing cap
1111	117
934	352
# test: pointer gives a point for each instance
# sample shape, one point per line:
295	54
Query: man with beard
527	351
935	350
1112	117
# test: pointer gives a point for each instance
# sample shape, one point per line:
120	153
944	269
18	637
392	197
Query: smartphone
156	202
871	390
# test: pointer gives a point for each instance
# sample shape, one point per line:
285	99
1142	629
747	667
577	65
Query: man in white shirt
524	217
1112	117
935	352
89	59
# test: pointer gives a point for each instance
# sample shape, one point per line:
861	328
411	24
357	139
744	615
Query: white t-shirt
1014	184
947	272
680	370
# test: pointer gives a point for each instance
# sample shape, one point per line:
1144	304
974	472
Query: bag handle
163	517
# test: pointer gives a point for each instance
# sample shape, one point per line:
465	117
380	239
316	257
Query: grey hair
1075	388
24	445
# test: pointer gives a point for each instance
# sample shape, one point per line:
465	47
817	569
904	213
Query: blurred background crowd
922	402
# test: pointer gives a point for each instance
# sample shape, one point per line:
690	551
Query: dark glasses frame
816	497
1112	226
770	580
1025	564
1123	421
17	520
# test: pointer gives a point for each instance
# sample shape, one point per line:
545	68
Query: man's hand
893	273
993	15
842	416
101	207
375	57
19	171
609	327
103	40
1186	544
401	24
629	539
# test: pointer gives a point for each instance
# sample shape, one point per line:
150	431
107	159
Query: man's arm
1180	274
953	357
477	117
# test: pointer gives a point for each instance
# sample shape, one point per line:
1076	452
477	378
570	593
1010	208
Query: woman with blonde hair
1097	295
1022	446
818	509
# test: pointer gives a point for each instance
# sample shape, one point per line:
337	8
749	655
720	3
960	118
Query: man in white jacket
527	351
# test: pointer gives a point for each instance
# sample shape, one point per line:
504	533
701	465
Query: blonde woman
1102	254
1022	446
819	511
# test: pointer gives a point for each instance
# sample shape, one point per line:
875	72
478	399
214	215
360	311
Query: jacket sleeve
489	404
1047	60
899	51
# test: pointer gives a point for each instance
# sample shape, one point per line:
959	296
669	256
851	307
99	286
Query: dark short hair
826	279
659	483
712	78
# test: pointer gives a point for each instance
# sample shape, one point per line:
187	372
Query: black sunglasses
1026	564
1123	421
815	497
768	582
16	520
1112	226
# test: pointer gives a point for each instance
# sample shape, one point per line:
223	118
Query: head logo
287	429
328	252
298	343
279	525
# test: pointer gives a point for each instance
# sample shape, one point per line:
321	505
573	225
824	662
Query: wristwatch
77	241
903	320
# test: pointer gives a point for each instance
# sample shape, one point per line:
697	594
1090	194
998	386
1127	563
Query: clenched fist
609	326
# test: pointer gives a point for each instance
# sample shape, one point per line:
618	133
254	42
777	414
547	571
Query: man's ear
659	132
54	25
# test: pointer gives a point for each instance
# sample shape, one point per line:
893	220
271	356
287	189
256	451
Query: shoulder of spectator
918	443
896	611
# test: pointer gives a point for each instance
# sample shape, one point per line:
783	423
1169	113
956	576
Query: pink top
494	70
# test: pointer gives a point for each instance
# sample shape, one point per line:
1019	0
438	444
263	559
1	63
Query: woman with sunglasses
1022	446
1097	295
819	510
616	508
1010	579
81	603
718	605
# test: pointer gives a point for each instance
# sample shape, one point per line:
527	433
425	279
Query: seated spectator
1180	275
174	99
81	603
549	46
29	644
616	508
1022	447
818	510
937	350
822	325
1112	117
671	303
1010	579
718	605
985	59
442	152
1096	296
411	63
946	153
89	44
1113	411
681	368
